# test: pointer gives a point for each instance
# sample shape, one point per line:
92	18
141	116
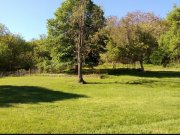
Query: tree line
80	36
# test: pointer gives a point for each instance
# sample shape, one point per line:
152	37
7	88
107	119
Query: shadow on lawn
130	72
10	95
134	82
136	72
143	82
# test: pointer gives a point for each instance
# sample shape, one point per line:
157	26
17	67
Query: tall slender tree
79	16
170	41
75	34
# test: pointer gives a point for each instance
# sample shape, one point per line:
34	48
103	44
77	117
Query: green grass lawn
128	102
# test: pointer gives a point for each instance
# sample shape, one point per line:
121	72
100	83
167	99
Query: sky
29	17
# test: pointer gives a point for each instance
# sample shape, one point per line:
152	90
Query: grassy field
125	102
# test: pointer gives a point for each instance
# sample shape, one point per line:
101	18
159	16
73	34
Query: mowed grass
124	103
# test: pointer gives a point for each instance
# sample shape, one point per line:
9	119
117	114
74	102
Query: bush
158	56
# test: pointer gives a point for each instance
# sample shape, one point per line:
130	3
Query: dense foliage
15	52
63	33
137	37
170	41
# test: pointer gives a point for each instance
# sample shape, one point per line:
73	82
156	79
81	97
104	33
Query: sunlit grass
115	104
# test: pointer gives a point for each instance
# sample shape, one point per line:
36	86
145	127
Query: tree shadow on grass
136	72
133	82
10	95
143	82
130	72
139	73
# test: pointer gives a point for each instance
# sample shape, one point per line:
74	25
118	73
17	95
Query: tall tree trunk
80	44
114	65
141	64
80	74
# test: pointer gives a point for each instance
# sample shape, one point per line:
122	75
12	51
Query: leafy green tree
15	53
170	41
159	56
41	54
4	32
135	36
113	51
77	23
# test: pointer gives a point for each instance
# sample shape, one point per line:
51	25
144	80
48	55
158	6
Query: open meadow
126	102
89	67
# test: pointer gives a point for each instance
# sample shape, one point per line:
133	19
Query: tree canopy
80	36
62	31
170	41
